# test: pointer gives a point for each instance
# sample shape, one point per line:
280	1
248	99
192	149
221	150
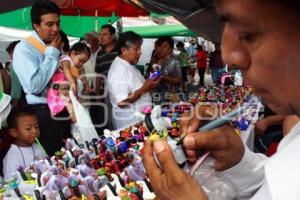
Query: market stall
112	163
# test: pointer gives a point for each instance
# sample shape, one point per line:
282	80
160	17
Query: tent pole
96	20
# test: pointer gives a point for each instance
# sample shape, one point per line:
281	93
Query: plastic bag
215	187
238	78
85	130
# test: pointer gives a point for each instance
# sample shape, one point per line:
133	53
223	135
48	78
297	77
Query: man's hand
224	145
169	182
261	126
191	121
88	89
57	43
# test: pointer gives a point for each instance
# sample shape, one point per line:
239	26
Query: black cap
198	15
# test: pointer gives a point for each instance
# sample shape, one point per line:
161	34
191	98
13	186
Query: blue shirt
16	87
35	69
171	68
192	50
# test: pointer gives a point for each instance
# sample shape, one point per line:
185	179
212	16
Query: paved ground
193	87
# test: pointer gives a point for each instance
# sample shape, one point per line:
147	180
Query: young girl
66	78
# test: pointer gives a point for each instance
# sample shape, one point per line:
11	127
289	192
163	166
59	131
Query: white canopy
8	35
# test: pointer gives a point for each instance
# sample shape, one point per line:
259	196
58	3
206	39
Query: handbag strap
37	44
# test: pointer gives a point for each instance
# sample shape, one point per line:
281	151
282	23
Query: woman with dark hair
128	90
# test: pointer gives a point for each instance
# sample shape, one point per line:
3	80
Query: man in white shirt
261	38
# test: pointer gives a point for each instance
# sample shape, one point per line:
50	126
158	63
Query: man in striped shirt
104	59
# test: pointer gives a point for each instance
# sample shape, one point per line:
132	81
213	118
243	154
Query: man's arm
232	159
177	72
172	80
34	76
262	124
98	83
98	72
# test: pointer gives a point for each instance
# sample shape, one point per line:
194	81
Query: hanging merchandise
84	125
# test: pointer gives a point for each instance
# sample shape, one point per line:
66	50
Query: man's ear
13	132
113	36
36	27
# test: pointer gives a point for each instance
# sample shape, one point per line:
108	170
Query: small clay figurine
157	124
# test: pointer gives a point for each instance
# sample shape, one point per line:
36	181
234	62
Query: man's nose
56	27
234	52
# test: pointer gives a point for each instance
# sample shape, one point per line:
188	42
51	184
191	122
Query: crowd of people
252	39
100	70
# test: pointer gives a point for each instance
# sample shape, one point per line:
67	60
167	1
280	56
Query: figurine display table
112	163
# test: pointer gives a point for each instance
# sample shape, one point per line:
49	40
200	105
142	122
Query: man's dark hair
10	48
169	40
180	44
80	47
199	47
127	39
17	112
110	28
42	7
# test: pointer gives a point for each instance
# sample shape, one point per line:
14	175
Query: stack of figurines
102	167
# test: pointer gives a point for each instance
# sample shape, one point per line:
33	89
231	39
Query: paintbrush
219	122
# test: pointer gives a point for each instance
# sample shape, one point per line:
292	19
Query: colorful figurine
157	126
